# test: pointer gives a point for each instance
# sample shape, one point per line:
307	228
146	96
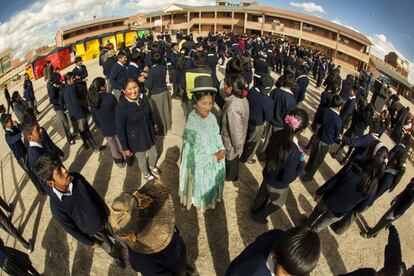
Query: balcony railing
353	52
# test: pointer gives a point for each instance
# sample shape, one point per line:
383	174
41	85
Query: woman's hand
128	153
219	155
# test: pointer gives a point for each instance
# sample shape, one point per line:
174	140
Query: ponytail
94	96
238	85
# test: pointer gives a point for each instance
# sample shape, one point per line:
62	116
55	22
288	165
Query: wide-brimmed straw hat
145	219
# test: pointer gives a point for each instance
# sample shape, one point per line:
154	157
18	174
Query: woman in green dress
202	170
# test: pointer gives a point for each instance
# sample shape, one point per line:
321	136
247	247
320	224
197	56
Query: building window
226	27
309	28
344	40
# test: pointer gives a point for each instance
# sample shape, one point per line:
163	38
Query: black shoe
120	262
85	146
334	155
72	142
259	220
30	246
251	161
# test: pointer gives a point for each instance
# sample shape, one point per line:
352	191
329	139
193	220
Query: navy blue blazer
81	214
118	75
75	106
28	91
303	83
260	66
252	261
340	193
248	76
156	81
291	169
133	71
348	108
260	107
331	125
135	124
82	73
53	94
14	140
104	115
283	102
359	144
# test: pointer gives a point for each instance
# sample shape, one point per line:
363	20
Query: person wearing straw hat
202	170
145	222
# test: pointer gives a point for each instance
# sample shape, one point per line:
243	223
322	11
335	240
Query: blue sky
26	25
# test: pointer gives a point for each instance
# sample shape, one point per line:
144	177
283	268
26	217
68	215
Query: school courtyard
213	238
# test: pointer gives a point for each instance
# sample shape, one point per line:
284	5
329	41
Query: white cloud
382	46
337	21
36	26
151	5
309	7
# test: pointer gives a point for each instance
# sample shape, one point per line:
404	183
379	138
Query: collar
391	171
301	76
137	100
35	144
337	112
133	64
120	64
402	145
270	264
287	90
9	129
79	67
353	97
375	135
60	194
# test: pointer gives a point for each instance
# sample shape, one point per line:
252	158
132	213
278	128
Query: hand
128	153
317	198
219	155
96	245
14	123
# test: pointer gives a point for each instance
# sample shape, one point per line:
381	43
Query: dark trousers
232	169
105	236
320	217
63	119
341	226
382	223
279	63
173	81
319	80
318	152
9	105
254	134
7	225
264	203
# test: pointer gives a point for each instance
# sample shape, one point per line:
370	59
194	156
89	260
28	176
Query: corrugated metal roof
90	22
391	73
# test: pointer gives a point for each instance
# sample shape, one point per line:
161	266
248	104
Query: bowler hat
145	219
203	83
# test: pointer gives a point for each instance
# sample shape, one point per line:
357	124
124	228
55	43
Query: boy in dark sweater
330	127
39	144
77	207
118	75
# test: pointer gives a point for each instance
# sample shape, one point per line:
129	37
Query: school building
348	47
70	34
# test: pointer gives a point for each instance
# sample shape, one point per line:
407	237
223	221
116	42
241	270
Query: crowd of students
244	117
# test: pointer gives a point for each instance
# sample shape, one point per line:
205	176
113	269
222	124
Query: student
172	72
260	67
8	99
77	112
234	123
107	66
55	99
158	93
15	262
348	109
154	244
103	107
283	101
295	251
330	126
135	127
13	137
350	190
246	63
28	94
285	161
80	73
212	62
321	72
39	144
393	263
202	169
77	207
302	82
399	205
118	75
260	111
20	107
385	122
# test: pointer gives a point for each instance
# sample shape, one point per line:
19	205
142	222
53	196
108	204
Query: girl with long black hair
350	190
103	107
283	164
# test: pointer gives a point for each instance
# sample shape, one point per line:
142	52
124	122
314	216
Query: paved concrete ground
213	238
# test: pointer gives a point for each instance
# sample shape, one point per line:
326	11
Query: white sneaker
149	177
155	171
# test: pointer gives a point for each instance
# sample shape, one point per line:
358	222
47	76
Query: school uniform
159	97
248	77
135	129
20	110
260	69
81	73
117	77
260	111
173	66
303	83
321	74
15	262
254	260
347	110
274	189
28	93
212	62
399	206
169	261
339	196
330	127
55	95
84	215
288	61
13	138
